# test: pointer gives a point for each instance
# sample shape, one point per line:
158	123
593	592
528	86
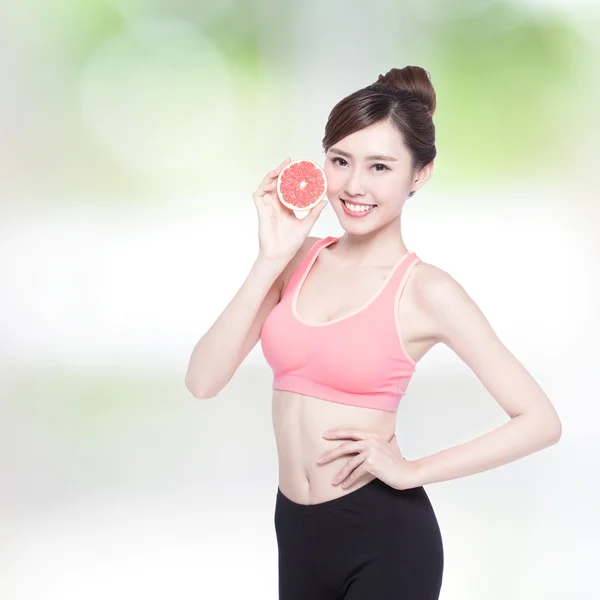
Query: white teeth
357	207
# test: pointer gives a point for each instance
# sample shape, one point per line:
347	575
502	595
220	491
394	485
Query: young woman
343	323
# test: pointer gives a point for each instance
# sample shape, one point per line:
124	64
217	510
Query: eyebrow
371	157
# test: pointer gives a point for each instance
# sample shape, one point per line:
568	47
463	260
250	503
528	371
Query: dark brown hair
405	98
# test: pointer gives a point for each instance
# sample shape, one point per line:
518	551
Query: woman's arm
534	423
221	350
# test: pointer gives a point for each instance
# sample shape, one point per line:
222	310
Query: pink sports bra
358	359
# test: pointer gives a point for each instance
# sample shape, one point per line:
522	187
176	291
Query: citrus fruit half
301	185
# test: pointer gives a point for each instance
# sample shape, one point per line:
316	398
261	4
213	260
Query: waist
299	422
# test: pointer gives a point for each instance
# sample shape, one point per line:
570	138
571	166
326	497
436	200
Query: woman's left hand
377	456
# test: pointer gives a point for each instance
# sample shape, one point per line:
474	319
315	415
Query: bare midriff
299	423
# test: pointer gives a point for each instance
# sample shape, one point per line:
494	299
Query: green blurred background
133	136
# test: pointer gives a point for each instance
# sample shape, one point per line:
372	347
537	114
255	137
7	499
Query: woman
343	323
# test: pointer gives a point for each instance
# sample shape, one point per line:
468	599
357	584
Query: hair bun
415	80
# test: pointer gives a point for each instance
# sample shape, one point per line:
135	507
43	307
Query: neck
374	249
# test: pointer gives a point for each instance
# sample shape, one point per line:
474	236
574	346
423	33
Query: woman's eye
385	167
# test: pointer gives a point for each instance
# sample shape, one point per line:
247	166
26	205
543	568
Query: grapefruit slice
301	185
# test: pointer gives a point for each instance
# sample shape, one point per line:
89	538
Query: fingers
314	213
269	181
260	195
271	175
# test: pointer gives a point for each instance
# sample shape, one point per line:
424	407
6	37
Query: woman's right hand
280	232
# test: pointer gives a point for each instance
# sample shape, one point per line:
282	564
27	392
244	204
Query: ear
422	177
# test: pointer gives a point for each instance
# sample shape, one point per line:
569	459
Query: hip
374	510
394	532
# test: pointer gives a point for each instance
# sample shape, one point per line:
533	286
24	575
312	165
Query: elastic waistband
376	485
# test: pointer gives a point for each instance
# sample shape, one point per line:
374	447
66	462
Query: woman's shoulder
306	247
300	255
429	279
433	290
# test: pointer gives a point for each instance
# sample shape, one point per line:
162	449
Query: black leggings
375	542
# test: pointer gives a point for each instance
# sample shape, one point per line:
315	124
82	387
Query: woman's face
353	174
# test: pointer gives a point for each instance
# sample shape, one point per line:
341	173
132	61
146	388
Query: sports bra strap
397	280
390	289
304	264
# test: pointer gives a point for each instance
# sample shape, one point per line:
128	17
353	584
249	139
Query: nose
354	185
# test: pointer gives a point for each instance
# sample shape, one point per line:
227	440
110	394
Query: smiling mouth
347	202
